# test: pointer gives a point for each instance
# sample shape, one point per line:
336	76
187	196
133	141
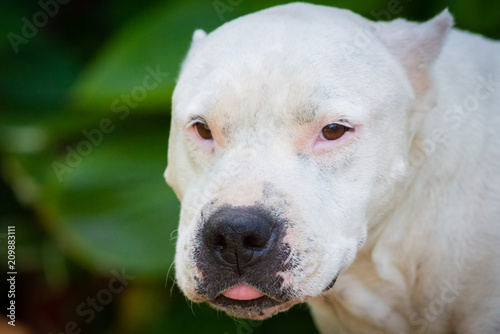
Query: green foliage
114	204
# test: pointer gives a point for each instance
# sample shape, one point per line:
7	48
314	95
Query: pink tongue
243	292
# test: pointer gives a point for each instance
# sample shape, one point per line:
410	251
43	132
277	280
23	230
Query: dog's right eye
203	130
333	131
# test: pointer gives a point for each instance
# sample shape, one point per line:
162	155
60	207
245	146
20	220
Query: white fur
419	178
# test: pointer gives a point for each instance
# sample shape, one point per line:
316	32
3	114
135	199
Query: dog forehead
287	61
282	38
283	26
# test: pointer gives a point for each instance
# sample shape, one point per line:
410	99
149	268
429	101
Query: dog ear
198	35
417	45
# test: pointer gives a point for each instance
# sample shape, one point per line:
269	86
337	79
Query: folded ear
198	35
417	45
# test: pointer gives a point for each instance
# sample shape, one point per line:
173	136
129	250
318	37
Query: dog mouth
246	301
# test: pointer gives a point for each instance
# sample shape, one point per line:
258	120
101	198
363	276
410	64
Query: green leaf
35	71
107	203
10	23
467	13
157	39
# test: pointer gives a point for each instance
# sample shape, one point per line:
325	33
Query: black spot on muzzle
242	244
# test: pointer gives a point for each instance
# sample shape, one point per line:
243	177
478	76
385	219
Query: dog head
289	138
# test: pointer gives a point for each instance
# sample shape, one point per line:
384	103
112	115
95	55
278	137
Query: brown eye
203	130
333	131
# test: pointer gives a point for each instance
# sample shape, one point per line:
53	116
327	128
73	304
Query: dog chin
245	301
257	309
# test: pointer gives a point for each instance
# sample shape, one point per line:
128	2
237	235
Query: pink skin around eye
195	139
321	145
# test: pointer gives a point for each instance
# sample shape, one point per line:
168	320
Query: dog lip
331	284
259	303
256	309
242	292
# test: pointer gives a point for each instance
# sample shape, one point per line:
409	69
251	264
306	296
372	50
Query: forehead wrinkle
314	105
305	113
245	105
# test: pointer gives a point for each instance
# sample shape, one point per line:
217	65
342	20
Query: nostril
218	242
239	236
254	242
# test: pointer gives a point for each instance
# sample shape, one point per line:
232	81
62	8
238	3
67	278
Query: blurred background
85	93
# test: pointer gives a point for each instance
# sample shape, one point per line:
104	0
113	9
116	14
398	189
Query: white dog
355	165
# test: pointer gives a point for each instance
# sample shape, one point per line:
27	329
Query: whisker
171	234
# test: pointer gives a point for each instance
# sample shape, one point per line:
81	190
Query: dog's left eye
333	131
203	130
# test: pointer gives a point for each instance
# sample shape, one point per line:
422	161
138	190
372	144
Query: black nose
239	236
